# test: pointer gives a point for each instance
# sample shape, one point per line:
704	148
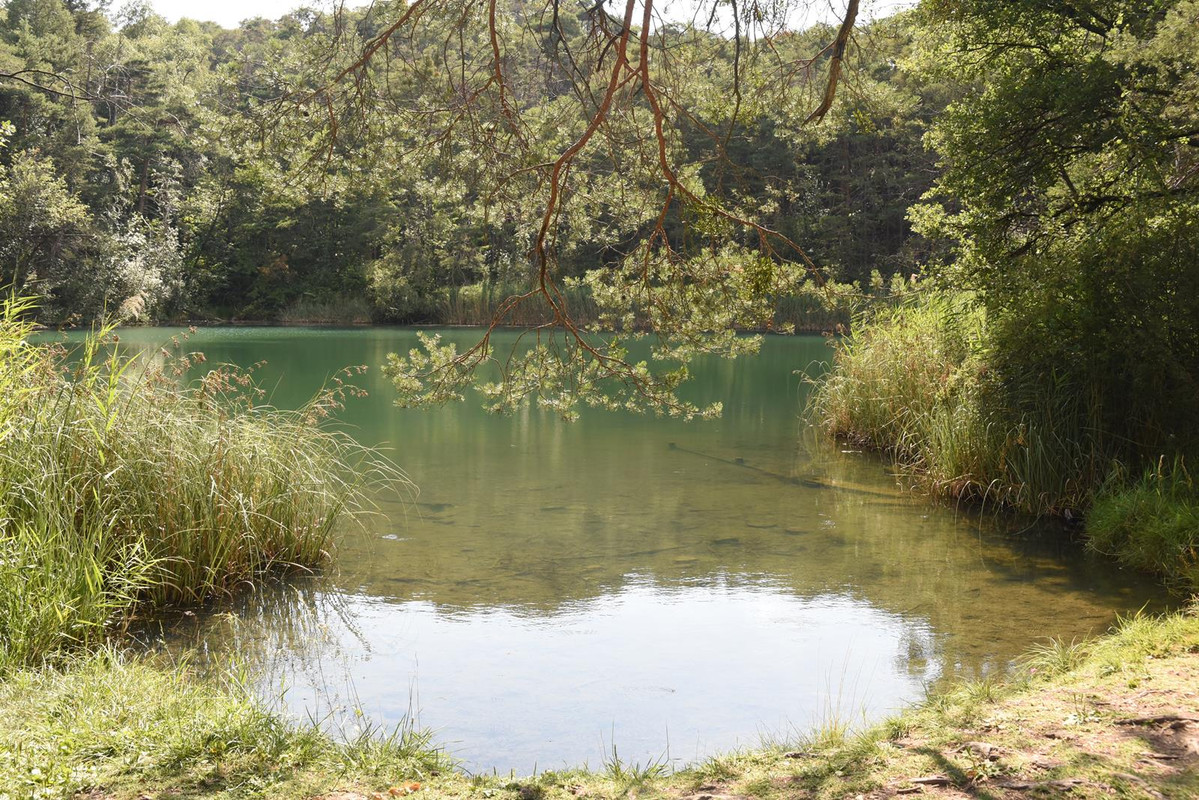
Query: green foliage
94	523
172	186
1151	524
43	226
127	724
1070	195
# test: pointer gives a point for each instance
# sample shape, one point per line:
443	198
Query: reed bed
920	381
341	309
916	380
477	304
121	491
810	313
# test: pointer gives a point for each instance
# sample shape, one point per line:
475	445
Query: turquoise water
671	589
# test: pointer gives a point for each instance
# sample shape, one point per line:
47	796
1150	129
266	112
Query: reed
478	304
922	382
121	491
340	309
1151	523
918	380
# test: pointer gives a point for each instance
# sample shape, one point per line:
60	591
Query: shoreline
1115	714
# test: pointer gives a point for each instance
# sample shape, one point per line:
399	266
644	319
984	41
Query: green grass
479	303
1151	524
126	726
121	491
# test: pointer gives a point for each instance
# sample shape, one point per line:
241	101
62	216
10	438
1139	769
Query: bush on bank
1152	524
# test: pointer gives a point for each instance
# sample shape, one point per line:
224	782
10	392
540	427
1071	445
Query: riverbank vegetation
919	381
1054	364
121	492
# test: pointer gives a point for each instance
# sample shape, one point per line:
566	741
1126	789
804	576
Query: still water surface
669	589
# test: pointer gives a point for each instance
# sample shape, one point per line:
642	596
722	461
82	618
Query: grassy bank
1114	716
106	726
922	381
121	492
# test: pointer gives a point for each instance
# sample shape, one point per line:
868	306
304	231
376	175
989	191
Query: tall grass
477	304
921	381
1151	524
121	491
341	309
811	314
917	380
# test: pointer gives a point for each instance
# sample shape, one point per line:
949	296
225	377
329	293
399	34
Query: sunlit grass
121	491
1152	524
106	720
919	381
339	309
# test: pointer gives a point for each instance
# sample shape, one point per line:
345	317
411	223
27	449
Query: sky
229	13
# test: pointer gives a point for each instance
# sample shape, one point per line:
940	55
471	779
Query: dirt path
1118	717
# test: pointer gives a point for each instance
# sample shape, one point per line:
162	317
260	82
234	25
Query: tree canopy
1070	189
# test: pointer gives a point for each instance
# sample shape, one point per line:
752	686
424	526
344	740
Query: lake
668	589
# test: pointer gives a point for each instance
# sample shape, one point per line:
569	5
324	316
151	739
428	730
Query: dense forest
156	170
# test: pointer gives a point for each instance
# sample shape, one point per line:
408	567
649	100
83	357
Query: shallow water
669	589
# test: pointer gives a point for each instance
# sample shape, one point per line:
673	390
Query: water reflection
559	588
660	672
